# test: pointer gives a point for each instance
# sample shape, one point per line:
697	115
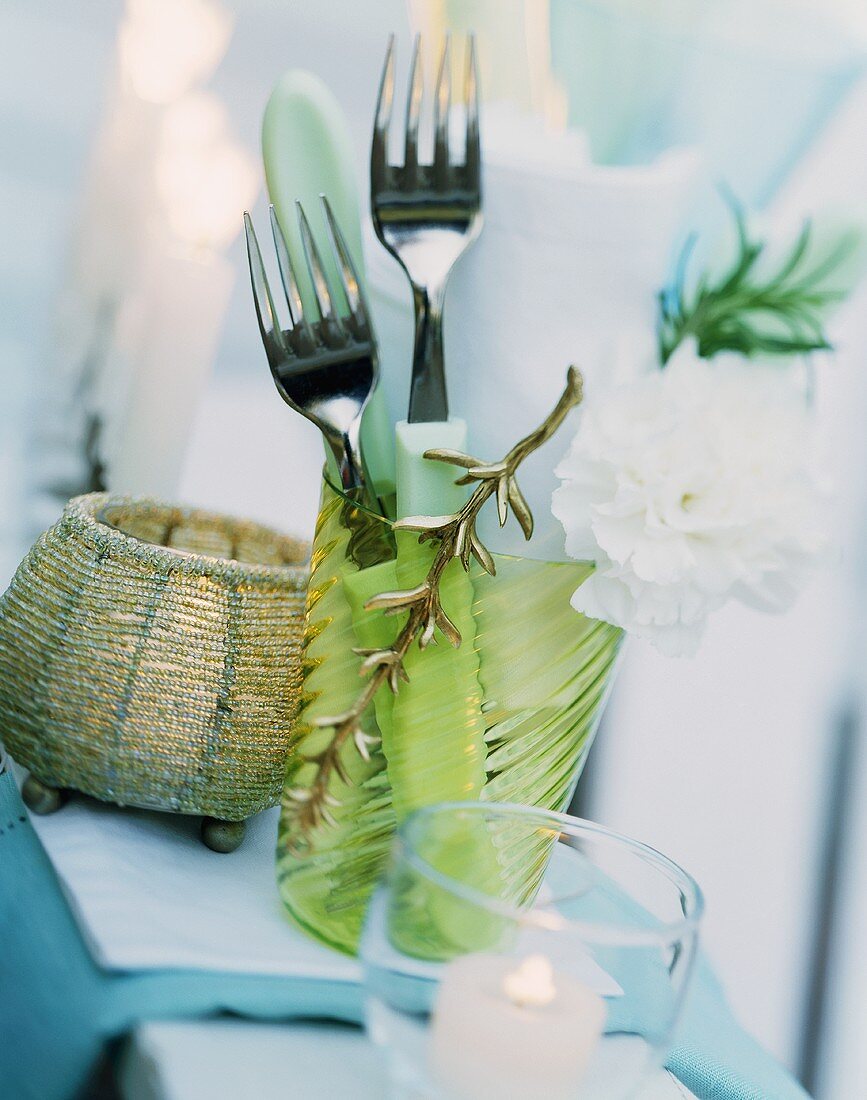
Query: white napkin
148	895
566	270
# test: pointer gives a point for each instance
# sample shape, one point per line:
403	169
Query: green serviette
438	751
374	630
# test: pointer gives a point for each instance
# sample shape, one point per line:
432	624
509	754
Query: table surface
228	1059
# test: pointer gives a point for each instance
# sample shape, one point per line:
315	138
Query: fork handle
428	399
350	465
355	480
370	538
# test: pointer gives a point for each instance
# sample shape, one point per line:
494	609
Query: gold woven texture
150	656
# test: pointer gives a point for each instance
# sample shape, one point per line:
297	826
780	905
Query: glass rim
607	932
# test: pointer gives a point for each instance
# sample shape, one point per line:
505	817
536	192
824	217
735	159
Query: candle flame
532	984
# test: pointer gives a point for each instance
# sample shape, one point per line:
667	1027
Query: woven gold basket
150	656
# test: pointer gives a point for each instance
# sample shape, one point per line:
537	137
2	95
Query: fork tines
304	333
443	170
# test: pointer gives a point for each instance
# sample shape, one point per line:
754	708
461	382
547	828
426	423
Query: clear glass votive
478	986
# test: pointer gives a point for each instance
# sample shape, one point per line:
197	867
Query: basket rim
86	517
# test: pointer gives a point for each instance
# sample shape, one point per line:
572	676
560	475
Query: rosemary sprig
782	313
455	537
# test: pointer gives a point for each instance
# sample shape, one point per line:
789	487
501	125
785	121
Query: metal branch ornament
454	537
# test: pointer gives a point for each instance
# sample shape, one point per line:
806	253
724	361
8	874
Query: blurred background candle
167	46
151	388
184	296
504	1028
513	48
138	236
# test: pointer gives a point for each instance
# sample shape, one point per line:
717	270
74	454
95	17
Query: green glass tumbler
509	716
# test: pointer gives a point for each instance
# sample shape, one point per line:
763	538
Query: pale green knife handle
425	487
308	151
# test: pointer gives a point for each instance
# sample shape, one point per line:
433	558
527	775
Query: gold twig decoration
455	536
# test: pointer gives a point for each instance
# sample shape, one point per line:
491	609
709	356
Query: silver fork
325	368
426	215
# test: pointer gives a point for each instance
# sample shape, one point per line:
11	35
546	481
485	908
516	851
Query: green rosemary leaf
746	311
798	252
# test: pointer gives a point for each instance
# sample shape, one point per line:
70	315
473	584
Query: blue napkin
58	1008
715	1058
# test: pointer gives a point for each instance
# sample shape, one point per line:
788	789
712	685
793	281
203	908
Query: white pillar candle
502	1028
171	349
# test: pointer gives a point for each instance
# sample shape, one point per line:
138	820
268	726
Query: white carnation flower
687	488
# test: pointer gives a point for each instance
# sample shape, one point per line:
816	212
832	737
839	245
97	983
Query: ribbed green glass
510	716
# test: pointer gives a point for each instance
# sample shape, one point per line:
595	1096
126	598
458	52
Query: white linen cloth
225	1059
567	269
148	895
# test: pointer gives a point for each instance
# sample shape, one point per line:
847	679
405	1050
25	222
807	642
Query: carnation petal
689	488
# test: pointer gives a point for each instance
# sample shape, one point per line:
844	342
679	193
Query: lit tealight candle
148	402
532	984
501	1029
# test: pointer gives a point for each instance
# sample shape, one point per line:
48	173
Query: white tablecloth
234	1060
